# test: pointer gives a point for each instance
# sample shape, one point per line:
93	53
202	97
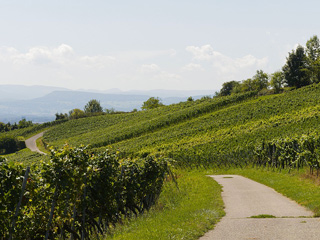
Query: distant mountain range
41	103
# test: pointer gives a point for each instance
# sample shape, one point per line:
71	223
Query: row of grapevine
290	152
133	125
76	194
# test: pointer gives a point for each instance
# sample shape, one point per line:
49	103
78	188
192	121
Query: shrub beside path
31	143
245	198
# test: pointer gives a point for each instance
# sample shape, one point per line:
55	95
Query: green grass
192	210
263	216
41	145
26	157
184	213
294	185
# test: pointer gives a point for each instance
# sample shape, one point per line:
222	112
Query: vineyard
200	133
81	191
76	193
107	130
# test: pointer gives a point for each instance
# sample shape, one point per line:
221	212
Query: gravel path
32	145
244	198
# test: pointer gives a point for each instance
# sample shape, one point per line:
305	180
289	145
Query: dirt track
245	198
32	145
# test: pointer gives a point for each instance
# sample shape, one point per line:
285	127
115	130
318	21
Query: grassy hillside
198	132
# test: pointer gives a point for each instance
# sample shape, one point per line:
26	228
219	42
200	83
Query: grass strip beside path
297	185
184	213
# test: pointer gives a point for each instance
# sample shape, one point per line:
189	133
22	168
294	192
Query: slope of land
218	132
200	132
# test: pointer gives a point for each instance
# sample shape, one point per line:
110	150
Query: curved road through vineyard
245	198
31	143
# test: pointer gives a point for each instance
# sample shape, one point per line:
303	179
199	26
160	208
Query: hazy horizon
145	45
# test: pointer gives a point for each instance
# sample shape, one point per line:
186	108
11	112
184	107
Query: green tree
190	99
205	97
295	69
247	85
93	106
110	111
313	59
277	81
8	144
227	88
61	116
2	127
152	103
260	80
23	123
76	113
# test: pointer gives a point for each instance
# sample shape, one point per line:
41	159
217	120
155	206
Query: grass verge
41	145
296	185
263	216
26	157
184	213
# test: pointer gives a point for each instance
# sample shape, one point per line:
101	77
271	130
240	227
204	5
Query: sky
147	44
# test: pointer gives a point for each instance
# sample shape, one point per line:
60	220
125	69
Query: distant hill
16	102
21	92
44	108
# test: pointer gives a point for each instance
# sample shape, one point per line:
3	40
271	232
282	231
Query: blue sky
148	44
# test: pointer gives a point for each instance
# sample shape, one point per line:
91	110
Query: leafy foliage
294	70
9	144
290	152
227	88
93	106
277	81
23	123
152	103
80	192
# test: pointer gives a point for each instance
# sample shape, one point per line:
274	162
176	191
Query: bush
9	144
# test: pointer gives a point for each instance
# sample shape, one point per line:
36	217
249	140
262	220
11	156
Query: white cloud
205	52
97	61
149	68
60	56
145	55
63	66
226	64
166	76
192	67
226	68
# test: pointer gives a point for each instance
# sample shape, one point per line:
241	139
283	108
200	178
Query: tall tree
277	81
313	59
76	113
260	80
227	88
151	103
247	85
93	106
295	69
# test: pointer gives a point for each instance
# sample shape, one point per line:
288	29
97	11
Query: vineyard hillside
198	132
